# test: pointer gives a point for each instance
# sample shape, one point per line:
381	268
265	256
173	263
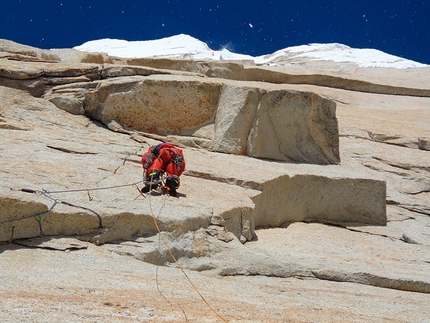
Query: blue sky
401	28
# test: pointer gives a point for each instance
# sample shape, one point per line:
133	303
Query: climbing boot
172	184
152	182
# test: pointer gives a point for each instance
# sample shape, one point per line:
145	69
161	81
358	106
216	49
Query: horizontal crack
402	166
232	181
373	280
415	209
419	192
66	150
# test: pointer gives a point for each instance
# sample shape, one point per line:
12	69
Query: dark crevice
419	192
66	150
415	210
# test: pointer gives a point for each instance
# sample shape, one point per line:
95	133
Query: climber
160	159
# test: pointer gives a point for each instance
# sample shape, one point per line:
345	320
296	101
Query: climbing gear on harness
176	158
148	161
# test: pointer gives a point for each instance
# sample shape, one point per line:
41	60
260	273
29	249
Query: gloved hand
152	182
154	176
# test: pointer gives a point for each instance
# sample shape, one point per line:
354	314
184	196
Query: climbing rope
93	189
39	219
55	201
38	216
47	194
176	261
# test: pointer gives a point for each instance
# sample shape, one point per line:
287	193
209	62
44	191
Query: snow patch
187	47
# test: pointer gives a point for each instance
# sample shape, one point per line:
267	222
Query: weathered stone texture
319	198
264	163
157	106
227	117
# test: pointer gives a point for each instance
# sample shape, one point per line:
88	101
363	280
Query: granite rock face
306	189
221	115
47	149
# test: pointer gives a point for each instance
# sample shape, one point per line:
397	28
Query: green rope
39	219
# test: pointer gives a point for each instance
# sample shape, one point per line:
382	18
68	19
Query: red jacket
164	157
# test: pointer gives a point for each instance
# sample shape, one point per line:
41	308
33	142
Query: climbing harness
177	158
148	161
